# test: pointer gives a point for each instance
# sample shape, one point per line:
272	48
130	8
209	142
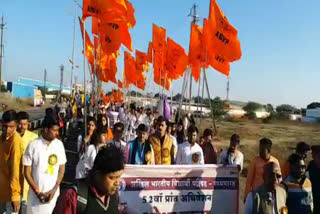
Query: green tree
251	109
285	110
217	108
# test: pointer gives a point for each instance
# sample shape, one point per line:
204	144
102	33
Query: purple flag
166	108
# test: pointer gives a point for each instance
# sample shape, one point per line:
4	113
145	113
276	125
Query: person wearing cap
298	187
117	132
104	180
139	150
270	197
302	149
10	168
162	144
313	173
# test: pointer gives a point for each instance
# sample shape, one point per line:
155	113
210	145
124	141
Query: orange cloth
11	178
285	169
255	173
109	135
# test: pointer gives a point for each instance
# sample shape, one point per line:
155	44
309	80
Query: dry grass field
284	136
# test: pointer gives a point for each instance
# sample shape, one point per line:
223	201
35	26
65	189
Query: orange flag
223	36
110	11
150	52
177	60
113	35
141	61
159	50
99	8
214	59
120	84
195	51
95	27
130	68
109	70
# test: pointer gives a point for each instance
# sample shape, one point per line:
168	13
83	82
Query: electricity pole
1	49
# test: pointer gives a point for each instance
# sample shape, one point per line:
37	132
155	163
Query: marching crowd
32	166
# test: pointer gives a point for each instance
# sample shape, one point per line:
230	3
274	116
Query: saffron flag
159	50
195	51
120	84
176	60
113	35
111	11
214	59
95	27
141	61
150	49
223	36
130	68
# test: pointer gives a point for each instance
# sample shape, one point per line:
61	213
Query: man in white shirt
232	156
44	166
190	152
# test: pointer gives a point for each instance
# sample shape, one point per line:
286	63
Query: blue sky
280	44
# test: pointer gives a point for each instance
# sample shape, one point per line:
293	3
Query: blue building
25	87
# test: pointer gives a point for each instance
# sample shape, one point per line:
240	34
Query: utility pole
73	44
228	88
1	49
45	84
195	20
61	79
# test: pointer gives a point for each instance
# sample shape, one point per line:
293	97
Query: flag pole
203	69
210	104
84	78
198	98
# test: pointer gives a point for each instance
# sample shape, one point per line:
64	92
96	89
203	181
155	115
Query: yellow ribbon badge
148	158
53	159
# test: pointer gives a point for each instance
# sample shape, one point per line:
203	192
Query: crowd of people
32	166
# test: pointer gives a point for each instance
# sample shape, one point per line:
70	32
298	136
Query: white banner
179	189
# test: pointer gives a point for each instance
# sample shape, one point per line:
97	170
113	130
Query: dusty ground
284	136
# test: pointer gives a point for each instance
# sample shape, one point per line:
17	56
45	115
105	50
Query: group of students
32	167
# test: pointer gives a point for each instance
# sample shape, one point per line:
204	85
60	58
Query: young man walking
44	166
10	167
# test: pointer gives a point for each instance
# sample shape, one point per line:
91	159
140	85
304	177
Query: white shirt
37	156
249	204
86	162
175	146
189	155
227	159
